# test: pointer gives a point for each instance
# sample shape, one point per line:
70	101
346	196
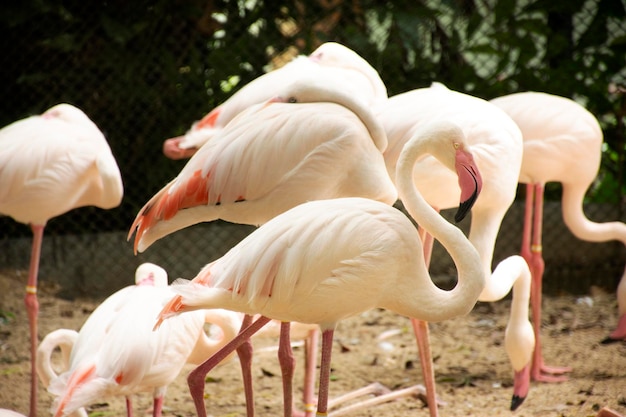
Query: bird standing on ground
331	62
311	141
49	165
562	143
496	143
323	261
117	353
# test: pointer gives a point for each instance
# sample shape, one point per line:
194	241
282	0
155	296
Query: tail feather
76	380
168	202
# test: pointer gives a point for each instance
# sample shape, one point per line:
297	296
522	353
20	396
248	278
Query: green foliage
144	71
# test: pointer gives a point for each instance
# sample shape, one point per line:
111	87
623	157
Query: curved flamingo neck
206	346
471	278
583	228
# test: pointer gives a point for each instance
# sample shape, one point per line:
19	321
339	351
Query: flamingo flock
315	154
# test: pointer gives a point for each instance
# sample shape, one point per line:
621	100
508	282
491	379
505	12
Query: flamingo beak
470	182
172	151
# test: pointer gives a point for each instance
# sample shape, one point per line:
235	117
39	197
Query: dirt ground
473	373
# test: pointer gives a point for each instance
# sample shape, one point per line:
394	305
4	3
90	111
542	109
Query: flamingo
115	355
330	61
326	260
64	339
562	142
496	143
311	141
50	164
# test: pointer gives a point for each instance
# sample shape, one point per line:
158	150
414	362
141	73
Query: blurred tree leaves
145	70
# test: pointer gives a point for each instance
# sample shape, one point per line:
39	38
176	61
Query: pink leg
327	350
310	351
196	378
534	257
423	345
245	352
158	406
420	328
129	407
287	366
32	310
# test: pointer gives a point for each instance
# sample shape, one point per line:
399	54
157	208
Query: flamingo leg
32	310
533	253
327	350
420	328
310	351
196	378
287	366
158	406
129	407
245	352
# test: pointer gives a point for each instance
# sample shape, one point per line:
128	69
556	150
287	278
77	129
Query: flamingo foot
618	334
550	374
382	395
607	412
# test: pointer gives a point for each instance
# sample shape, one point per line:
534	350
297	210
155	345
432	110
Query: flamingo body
272	157
330	62
323	261
69	165
50	164
117	353
562	143
496	144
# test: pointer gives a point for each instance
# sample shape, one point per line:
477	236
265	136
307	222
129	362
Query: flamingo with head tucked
323	261
496	143
49	165
331	61
117	353
562	143
311	141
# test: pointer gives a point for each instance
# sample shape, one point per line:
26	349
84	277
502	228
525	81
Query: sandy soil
473	373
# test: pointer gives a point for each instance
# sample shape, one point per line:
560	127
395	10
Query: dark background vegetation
144	71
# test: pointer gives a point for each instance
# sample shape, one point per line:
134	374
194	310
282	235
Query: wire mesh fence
144	71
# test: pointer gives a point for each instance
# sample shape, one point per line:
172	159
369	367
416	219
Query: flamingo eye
292	100
457	145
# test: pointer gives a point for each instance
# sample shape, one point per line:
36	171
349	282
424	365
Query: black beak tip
465	207
516	401
608	340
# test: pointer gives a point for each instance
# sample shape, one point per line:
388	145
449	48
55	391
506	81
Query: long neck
583	228
373	125
471	279
229	322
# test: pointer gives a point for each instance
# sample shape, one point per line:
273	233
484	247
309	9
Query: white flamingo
496	143
49	165
330	61
326	260
562	143
311	141
117	353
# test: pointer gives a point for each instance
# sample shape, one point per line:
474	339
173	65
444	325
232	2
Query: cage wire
145	71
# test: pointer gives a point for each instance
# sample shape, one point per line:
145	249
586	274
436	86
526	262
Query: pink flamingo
326	260
113	355
330	61
312	141
64	340
496	143
51	164
562	142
